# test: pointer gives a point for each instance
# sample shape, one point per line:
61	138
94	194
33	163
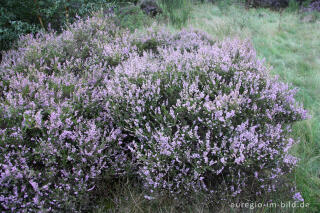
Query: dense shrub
57	139
180	112
150	7
205	117
132	17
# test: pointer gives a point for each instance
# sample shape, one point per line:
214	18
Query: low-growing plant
180	112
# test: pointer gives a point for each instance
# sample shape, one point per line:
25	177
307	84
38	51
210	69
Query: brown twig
38	15
67	12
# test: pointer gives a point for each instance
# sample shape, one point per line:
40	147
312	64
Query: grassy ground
290	43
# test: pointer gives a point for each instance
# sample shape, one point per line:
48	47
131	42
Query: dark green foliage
131	17
277	4
268	3
12	24
19	17
149	45
150	7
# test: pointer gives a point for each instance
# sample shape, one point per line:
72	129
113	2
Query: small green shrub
132	17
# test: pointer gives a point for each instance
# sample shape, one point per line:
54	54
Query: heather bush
205	116
181	112
313	6
58	141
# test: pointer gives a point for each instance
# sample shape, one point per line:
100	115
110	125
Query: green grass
291	47
177	11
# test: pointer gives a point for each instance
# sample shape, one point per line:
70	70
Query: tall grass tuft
178	11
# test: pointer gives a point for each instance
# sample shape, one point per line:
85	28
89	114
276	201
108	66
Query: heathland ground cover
101	119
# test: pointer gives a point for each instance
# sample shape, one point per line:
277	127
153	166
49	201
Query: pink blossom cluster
179	111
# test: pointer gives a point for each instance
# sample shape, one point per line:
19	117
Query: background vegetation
30	16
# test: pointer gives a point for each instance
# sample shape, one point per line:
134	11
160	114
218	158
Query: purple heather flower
298	197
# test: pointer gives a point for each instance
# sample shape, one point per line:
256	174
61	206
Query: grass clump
177	11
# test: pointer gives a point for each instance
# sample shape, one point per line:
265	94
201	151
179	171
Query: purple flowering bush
57	138
205	116
181	112
313	6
